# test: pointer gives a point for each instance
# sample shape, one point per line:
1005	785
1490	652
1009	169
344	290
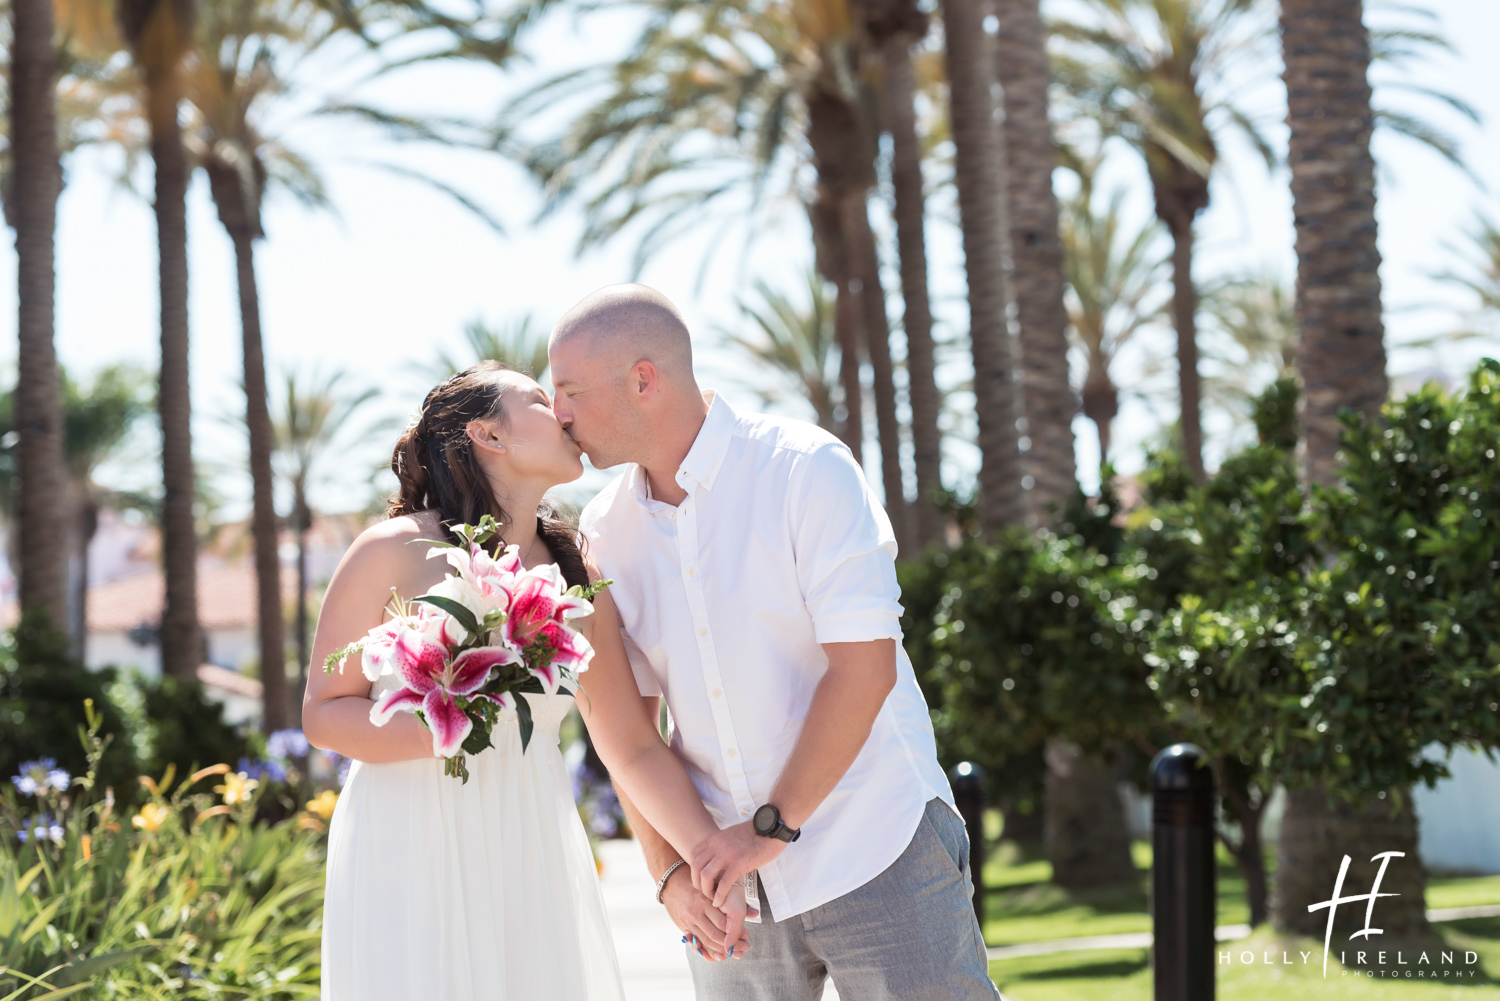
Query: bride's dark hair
435	464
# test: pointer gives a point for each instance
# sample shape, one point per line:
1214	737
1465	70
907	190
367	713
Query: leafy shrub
41	689
186	898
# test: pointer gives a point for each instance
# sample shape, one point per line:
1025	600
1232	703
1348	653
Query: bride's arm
336	707
628	741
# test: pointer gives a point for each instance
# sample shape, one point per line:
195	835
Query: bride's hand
706	926
734	911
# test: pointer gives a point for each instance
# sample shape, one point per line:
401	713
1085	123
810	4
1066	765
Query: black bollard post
1183	892
967	779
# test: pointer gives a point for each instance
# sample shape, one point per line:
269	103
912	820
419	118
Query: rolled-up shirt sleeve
845	550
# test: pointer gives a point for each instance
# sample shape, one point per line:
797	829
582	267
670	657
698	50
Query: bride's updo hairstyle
435	465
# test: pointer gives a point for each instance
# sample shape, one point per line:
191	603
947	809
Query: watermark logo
1332	904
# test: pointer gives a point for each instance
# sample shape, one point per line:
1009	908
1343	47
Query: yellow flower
237	788
151	817
324	803
307	822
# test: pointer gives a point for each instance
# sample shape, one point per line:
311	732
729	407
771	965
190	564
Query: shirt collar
712	444
703	460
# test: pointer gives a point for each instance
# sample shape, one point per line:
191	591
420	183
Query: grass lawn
1023	906
1125	975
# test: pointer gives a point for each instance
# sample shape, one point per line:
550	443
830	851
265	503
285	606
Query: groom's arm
843	711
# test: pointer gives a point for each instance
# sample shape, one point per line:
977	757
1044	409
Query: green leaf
335	661
464	617
523	712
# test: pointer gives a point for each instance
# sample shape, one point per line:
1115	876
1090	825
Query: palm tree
894	26
160	33
1255	316
37	177
715	102
797	343
97	419
1036	253
979	176
1327	54
1114	280
1340	355
520	343
1150	71
232	79
1481	269
315	408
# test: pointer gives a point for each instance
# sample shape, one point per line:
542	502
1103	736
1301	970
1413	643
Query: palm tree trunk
272	633
898	109
1341	360
1036	249
877	341
182	641
1316	834
1185	318
978	168
832	264
43	546
86	526
1084	824
1341	337
304	520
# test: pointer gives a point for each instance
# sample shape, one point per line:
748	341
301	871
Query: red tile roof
226	599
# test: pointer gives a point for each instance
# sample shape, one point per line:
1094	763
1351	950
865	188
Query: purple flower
42	828
340	764
262	771
288	743
37	778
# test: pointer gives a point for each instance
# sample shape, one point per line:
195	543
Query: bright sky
382	283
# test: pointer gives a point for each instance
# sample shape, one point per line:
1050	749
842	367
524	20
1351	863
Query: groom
754	573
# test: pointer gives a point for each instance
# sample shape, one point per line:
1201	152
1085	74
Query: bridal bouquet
470	645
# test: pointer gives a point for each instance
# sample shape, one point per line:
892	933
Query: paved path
652	957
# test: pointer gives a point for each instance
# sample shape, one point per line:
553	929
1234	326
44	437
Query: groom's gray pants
909	934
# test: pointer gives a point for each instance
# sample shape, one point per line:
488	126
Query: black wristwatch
768	824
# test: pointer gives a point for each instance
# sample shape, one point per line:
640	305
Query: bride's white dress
486	891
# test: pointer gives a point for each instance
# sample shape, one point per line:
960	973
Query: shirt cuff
857	627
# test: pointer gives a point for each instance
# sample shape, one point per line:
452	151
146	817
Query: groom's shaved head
623	324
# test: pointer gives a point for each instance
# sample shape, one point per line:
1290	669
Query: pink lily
492	578
539	607
430	623
433	685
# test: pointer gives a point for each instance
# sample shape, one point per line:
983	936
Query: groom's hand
724	857
695	915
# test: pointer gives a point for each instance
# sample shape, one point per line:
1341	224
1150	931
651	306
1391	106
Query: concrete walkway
652	957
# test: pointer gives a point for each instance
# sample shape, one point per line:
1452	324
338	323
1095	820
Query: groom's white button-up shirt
725	599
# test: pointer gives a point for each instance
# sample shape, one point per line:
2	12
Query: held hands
723	858
715	929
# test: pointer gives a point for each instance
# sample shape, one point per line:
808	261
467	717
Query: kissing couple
753	587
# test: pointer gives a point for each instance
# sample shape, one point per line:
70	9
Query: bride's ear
483	436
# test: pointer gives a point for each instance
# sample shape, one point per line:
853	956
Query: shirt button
692	571
718	693
672	516
731	752
703	632
744	813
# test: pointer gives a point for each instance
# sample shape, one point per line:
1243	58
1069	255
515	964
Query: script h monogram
1374	894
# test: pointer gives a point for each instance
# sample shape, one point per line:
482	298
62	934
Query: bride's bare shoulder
392	540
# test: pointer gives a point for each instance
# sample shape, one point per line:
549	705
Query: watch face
765	819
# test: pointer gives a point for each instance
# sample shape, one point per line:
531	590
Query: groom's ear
644	380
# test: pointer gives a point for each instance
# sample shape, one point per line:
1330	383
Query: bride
485	889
